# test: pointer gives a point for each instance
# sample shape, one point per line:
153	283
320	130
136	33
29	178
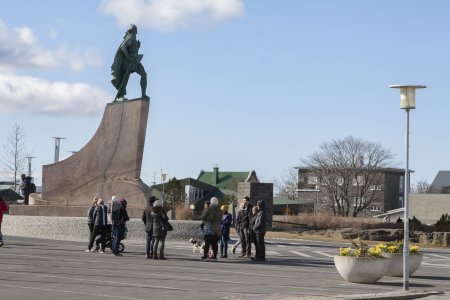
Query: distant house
389	194
209	184
441	183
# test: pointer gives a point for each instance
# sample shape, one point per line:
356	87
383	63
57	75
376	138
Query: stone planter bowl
361	269
395	268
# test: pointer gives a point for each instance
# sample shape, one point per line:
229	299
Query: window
376	187
401	184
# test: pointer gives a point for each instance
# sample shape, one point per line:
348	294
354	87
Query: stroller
109	238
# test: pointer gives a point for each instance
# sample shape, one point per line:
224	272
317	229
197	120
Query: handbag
166	225
208	229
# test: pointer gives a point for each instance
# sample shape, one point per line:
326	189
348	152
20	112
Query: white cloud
38	96
170	15
20	49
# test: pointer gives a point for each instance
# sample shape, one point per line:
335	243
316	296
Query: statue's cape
121	64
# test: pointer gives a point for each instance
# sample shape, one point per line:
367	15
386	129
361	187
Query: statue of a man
126	61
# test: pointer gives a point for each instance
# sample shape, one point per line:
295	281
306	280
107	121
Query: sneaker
148	255
116	254
101	251
203	258
212	259
87	250
224	256
1	244
242	255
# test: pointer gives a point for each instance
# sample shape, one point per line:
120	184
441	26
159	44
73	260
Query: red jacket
3	209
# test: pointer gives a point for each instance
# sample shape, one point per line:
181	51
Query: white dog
197	245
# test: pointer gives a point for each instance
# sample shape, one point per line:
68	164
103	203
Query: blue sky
247	85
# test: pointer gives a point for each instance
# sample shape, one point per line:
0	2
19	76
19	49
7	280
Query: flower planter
361	269
395	268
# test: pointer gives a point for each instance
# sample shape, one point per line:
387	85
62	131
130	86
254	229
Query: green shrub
443	221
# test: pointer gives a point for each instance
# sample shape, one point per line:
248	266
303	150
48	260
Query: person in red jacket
3	209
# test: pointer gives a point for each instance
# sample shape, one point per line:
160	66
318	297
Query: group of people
216	222
250	226
100	228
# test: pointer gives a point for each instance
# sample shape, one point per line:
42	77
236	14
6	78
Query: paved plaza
49	269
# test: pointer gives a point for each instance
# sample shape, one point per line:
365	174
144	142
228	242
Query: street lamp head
407	95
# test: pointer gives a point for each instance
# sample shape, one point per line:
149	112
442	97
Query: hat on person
224	208
152	199
157	203
214	201
22	176
124	203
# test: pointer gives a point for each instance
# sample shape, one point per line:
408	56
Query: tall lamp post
57	143
407	102
29	164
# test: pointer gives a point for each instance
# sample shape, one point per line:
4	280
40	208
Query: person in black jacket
147	219
90	215
158	216
100	223
245	215
25	188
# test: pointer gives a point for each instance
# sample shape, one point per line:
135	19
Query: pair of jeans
149	242
246	242
117	232
223	245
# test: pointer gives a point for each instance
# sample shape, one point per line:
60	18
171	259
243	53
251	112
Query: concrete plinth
109	164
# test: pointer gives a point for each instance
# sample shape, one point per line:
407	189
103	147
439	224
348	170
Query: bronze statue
126	61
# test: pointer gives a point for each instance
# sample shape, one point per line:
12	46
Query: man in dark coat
148	222
259	228
245	215
126	61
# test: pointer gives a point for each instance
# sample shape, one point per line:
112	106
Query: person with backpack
25	188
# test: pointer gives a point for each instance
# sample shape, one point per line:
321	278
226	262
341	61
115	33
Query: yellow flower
413	249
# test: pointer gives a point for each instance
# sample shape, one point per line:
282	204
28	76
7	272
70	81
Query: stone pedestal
258	191
109	164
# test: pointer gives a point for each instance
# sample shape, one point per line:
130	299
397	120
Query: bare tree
287	184
350	173
13	161
421	187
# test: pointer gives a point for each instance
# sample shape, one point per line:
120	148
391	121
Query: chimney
215	177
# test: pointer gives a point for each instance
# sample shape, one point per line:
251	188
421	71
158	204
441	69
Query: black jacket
246	215
100	215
